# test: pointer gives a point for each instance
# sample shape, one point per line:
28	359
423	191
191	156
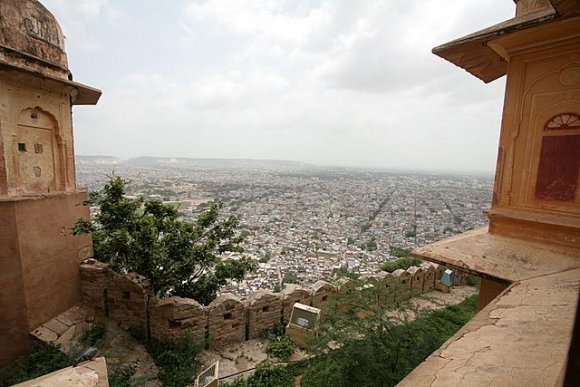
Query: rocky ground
120	348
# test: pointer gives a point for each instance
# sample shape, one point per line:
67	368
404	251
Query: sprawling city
303	222
268	193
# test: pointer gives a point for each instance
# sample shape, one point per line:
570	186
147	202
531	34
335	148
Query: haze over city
327	82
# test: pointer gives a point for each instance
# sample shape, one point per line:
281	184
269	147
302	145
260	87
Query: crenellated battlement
126	299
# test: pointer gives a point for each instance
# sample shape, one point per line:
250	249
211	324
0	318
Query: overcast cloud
336	82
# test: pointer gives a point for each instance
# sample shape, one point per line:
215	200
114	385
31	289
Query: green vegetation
376	350
148	238
388	350
401	263
344	272
267	375
400	252
410	234
370	245
176	360
266	258
281	347
42	360
122	376
94	334
457	219
290	277
47	358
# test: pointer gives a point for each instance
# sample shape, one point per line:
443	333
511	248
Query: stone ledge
89	374
497	257
507	343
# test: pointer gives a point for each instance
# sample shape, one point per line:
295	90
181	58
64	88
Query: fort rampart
127	299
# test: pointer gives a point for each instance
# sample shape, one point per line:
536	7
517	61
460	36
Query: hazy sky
340	82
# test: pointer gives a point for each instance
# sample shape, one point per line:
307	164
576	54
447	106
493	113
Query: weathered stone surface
88	374
126	299
478	251
227	321
175	317
264	312
64	341
28	28
56	326
290	295
384	284
44	334
62	328
322	293
429	276
417	278
403	284
507	340
346	286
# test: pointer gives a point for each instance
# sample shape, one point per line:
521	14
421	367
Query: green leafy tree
401	263
290	277
149	238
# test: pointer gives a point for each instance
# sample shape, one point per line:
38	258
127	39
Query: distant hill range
98	160
147	161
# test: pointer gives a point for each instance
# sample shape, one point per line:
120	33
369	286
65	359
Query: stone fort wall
127	300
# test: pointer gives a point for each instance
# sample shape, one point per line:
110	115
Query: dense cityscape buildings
303	222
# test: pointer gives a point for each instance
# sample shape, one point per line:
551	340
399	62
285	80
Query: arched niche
37	153
559	161
543	170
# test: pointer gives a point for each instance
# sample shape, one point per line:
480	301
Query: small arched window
559	165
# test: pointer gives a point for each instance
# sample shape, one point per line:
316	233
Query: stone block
417	279
264	312
56	326
292	294
226	321
322	293
403	284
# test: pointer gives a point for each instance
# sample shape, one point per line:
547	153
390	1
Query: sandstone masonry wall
127	299
264	310
227	321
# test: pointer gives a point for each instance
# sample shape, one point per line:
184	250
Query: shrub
94	334
121	377
281	347
176	360
379	352
42	360
267	375
401	263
